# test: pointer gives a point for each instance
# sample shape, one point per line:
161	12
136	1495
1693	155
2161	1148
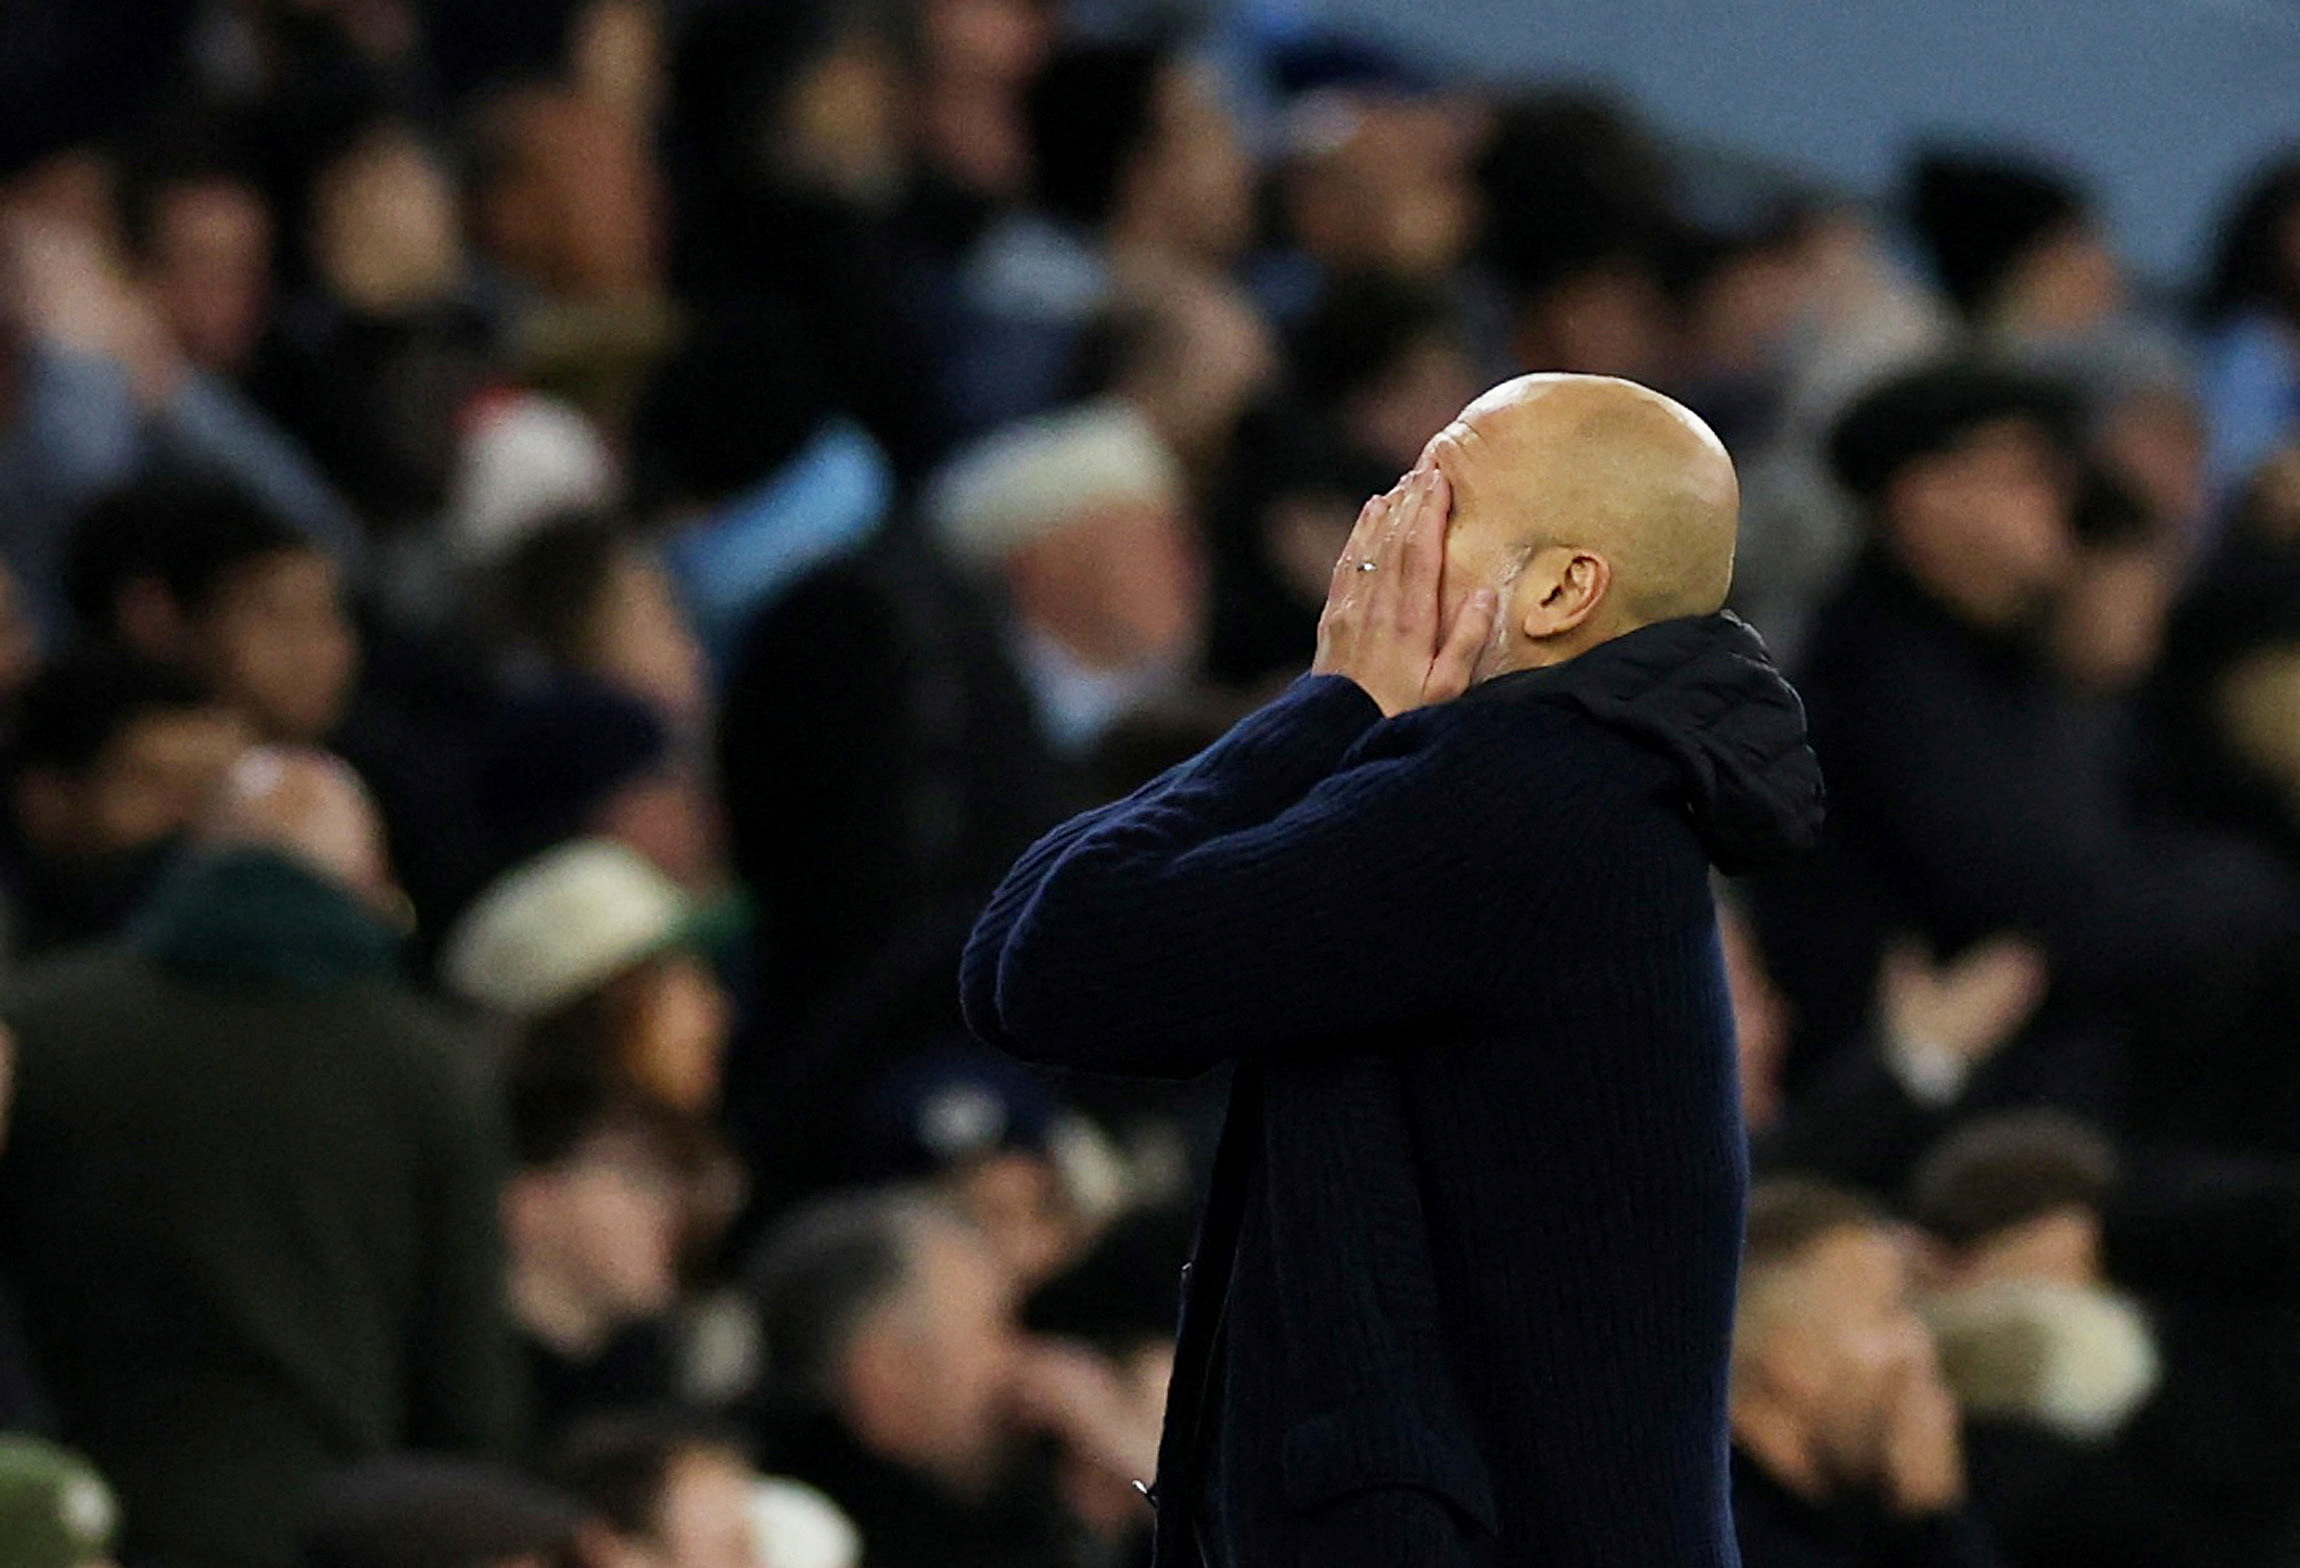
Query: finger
1422	556
1372	518
1456	662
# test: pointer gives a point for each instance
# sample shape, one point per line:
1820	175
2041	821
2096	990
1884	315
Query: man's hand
1383	624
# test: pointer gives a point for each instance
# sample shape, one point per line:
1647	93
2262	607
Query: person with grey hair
250	1190
900	1386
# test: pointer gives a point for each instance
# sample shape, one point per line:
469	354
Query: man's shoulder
63	986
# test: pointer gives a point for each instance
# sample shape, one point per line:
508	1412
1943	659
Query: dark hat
1090	110
1930	410
409	1512
952	1105
556	755
1978	215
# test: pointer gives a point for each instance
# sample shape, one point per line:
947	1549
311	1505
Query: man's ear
1559	590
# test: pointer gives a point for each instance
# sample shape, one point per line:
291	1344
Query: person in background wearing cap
903	723
1972	794
306	1269
994	1140
595	955
55	1510
2016	246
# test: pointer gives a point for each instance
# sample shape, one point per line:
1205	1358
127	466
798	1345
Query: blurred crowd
551	552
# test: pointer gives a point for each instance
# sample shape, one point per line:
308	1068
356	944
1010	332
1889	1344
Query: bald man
1463	1289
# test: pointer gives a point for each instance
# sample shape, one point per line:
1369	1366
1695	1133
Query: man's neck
556	1314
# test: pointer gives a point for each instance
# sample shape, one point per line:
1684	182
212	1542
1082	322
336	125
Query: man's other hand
1384	624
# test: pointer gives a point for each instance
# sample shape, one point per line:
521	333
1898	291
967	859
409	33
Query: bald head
310	807
1595	505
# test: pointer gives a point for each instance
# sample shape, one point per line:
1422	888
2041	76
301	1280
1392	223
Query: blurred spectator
1080	518
563	201
55	1510
1390	362
112	762
434	1513
2252	308
979	57
1970	793
100	393
309	1272
1377	180
593	1218
1137	163
199	238
670	1493
575	759
789	161
595	952
1866	1119
1846	1442
2140	1399
993	1140
581	597
373	367
1190	352
758	474
201	579
2015	245
895	1370
1576	201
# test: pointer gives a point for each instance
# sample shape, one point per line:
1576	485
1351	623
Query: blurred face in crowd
602	1228
841	128
930	1376
1120	588
385	232
1189	190
1383	184
1421	392
152	783
1828	1342
208	265
573	207
674	1018
1984	526
1610	320
276	643
1206	353
2064	287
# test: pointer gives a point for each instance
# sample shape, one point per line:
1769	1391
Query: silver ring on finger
1369	566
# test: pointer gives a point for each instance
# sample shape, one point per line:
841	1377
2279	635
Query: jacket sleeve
465	1393
1284	888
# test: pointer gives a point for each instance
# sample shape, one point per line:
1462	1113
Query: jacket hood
1704	692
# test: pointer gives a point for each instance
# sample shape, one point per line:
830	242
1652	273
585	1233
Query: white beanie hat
1034	478
565	922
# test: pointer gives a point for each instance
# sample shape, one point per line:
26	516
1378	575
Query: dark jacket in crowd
1970	795
882	766
908	1521
1463	1292
1780	1529
249	1202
